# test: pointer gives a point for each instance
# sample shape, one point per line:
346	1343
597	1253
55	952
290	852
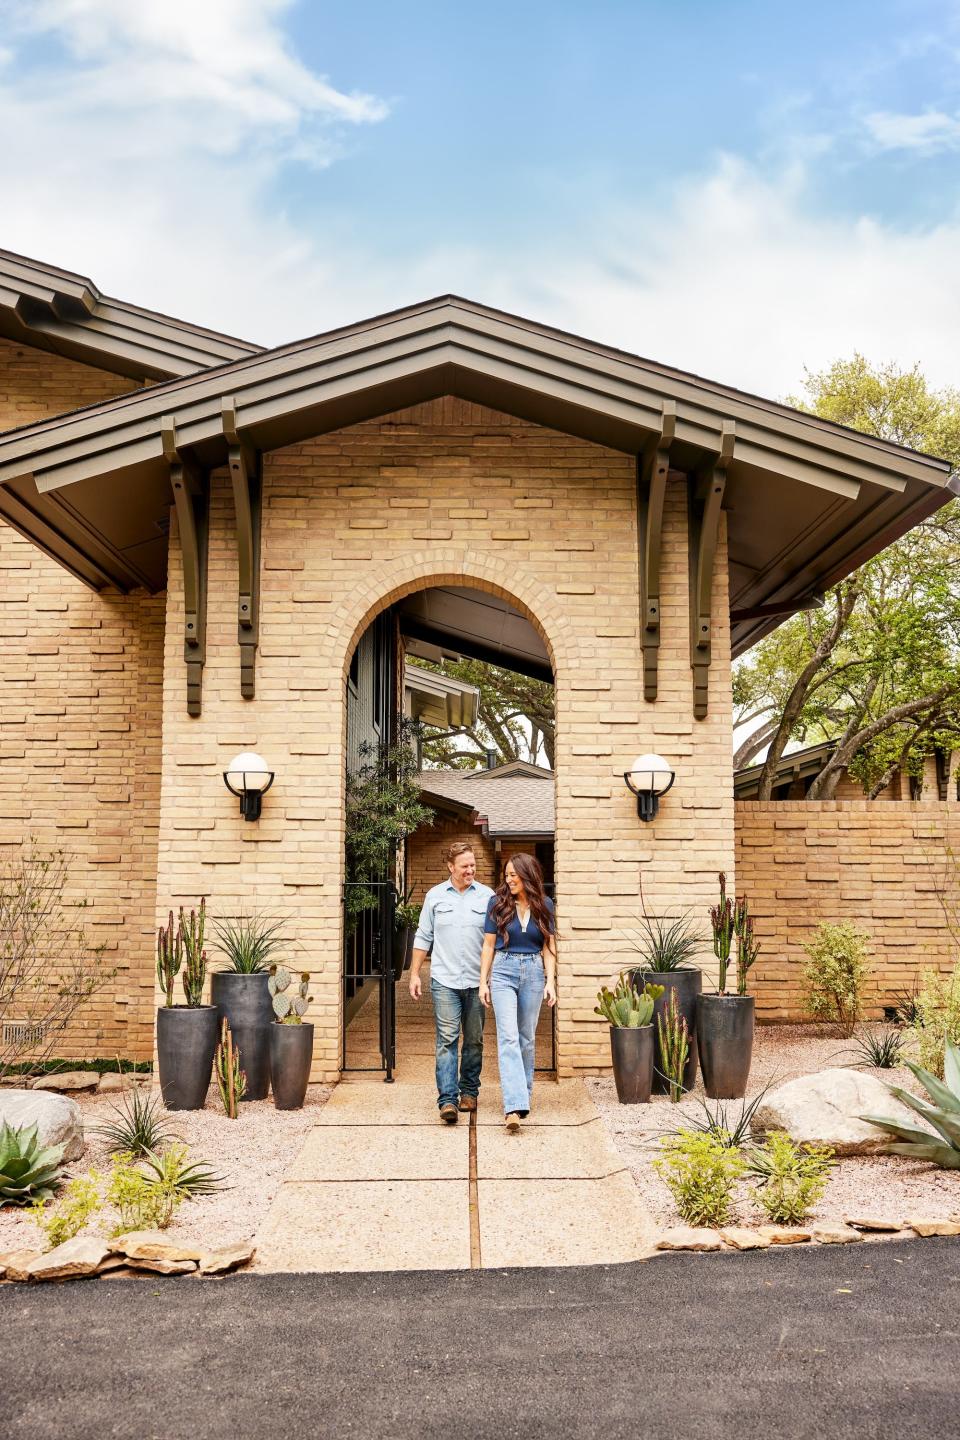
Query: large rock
826	1109
69	1080
218	1262
59	1120
14	1261
690	1237
79	1256
154	1245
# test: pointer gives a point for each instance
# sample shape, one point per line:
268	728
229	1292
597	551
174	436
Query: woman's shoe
512	1123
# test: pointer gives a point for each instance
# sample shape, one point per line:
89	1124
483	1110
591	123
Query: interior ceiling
447	622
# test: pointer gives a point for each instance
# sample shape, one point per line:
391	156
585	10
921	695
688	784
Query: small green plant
836	972
407	915
248	941
666	945
289	1009
674	1043
231	1080
730	1127
64	1219
28	1170
626	1007
138	1127
943	1114
141	1204
384	804
187	1179
194	955
169	957
700	1171
793	1177
878	1050
937	1018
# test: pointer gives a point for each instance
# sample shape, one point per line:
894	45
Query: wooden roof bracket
652	470
247	484
191	498
705	500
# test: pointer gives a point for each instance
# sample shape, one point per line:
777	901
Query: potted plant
667	948
405	921
186	1034
291	1041
725	1023
241	995
629	1013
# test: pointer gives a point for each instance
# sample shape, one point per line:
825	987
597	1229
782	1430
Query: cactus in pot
289	1009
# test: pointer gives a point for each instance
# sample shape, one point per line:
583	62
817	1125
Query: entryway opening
450	737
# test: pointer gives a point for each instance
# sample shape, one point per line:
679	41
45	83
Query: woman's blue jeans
516	992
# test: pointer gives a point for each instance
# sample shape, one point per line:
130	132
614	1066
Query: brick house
196	534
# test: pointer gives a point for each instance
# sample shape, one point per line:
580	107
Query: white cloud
926	133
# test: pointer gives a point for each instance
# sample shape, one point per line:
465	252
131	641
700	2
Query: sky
740	189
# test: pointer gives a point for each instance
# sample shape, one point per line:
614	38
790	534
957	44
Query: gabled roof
58	310
506	800
807	501
439	699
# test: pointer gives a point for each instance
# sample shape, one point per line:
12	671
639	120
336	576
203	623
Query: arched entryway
428	681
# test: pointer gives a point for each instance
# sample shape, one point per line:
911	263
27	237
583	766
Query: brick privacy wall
427	848
447	493
876	864
80	689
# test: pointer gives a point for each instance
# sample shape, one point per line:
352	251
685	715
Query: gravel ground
880	1185
252	1152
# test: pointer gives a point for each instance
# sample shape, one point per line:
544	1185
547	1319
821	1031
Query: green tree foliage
877	669
515	717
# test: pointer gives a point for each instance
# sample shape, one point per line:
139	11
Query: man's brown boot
448	1113
468	1102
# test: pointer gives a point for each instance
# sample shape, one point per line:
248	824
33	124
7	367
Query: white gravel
886	1185
253	1153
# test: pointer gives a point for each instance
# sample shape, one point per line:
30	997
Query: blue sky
739	189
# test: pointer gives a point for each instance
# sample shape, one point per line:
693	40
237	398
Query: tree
877	669
515	717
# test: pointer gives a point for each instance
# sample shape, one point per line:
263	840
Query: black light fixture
649	777
247	776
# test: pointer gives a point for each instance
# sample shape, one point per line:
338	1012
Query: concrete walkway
382	1184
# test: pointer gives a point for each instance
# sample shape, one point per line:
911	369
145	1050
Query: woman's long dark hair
530	873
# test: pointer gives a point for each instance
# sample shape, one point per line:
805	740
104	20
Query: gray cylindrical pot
244	1002
725	1032
291	1053
687	984
186	1043
632	1052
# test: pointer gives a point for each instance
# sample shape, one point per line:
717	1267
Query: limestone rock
79	1256
154	1245
784	1235
111	1262
689	1237
826	1109
59	1120
742	1239
122	1272
13	1262
69	1080
112	1083
218	1262
164	1267
835	1234
872	1222
935	1227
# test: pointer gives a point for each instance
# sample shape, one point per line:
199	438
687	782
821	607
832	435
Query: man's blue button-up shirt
451	928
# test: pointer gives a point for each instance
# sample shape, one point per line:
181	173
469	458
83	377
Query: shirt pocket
443	915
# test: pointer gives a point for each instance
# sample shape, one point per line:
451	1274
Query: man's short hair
458	848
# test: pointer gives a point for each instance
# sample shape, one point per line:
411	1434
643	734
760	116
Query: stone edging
90	1256
731	1237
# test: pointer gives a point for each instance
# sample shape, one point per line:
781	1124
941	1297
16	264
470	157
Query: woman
518	970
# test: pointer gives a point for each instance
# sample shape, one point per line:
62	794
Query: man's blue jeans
516	992
456	1011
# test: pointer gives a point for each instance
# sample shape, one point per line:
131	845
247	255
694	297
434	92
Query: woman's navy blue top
532	940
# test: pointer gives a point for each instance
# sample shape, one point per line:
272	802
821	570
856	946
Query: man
451	931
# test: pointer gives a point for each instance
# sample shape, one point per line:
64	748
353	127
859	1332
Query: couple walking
486	948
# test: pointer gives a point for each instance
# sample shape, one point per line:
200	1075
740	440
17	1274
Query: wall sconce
649	777
247	776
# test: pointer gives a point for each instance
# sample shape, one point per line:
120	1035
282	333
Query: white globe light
248	771
651	773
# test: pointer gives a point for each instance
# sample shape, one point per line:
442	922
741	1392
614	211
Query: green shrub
794	1177
79	1200
141	1203
836	972
936	1018
700	1172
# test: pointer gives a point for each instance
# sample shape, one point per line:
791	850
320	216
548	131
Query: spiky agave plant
28	1170
138	1126
943	1114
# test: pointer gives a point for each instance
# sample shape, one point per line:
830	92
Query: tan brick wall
448	493
876	864
427	848
80	686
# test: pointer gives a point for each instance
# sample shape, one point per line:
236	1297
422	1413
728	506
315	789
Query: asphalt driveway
862	1341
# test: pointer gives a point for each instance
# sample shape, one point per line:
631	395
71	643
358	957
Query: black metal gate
370	960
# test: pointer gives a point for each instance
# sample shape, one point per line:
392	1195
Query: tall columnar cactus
231	1080
626	1007
169	957
195	957
722	920
748	946
674	1044
289	1009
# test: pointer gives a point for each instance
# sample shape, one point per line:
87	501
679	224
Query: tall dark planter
186	1042
725	1033
291	1051
632	1054
244	1002
687	985
402	949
